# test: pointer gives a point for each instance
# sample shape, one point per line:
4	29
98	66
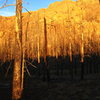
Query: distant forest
63	39
73	27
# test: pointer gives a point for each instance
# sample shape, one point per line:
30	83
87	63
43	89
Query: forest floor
64	89
59	88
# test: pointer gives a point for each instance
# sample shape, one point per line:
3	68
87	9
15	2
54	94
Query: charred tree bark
82	70
18	71
70	59
38	47
45	41
46	68
16	88
82	57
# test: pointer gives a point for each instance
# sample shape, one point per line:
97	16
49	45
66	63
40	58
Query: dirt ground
59	88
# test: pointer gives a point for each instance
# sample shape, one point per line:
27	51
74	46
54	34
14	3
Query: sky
31	5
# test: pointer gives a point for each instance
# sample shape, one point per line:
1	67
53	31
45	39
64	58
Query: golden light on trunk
82	49
18	60
38	46
70	51
16	89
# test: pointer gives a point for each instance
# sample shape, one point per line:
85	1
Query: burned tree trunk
46	68
82	57
70	59
18	69
45	41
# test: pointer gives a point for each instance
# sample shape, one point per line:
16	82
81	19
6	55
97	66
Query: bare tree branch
27	10
7	5
8	69
27	70
4	3
31	64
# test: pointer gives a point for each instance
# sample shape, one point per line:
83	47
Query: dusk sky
31	5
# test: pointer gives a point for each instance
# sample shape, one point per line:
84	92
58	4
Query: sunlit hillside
72	27
52	53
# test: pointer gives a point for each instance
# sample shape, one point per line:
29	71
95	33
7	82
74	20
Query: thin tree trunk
70	59
16	88
70	52
46	69
45	41
17	71
82	49
82	57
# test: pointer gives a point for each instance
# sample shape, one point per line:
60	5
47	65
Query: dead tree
46	68
5	4
18	70
82	46
82	57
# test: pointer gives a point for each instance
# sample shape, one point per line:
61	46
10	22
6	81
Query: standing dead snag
82	57
82	49
70	52
46	69
38	46
38	39
55	40
82	45
18	60
70	58
45	41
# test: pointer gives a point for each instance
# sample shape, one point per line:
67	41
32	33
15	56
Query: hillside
66	21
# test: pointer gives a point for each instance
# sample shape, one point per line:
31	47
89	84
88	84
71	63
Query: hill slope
66	21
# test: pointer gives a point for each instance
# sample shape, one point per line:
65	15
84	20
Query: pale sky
31	5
